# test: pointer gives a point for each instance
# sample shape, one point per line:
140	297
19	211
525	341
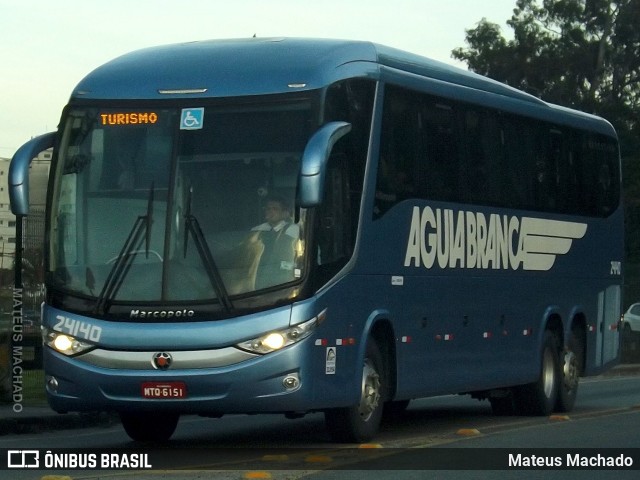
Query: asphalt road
434	435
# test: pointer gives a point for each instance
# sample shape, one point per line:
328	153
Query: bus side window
482	165
400	147
333	221
519	162
545	181
599	175
440	151
352	101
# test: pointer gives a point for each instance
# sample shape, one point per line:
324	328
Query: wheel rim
570	370
548	374
370	395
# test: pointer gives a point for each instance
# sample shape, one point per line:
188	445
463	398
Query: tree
583	54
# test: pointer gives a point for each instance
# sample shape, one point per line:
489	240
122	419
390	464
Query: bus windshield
177	205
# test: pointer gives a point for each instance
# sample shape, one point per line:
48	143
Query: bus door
607	339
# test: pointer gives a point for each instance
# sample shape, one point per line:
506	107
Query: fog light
52	383
291	382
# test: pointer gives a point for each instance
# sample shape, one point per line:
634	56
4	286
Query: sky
47	47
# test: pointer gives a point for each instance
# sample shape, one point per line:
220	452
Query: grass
33	392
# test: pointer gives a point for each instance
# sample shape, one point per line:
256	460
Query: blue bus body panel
249	387
260	66
252	385
182	335
488	317
451	329
257	66
224	68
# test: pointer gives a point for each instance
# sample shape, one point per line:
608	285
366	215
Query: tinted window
438	149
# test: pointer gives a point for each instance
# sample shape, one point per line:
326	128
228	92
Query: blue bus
295	225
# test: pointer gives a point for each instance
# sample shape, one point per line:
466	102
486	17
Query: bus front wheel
539	397
359	423
149	427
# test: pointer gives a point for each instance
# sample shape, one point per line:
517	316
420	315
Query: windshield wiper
193	226
125	258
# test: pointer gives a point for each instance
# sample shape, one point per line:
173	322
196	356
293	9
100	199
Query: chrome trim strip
182	360
182	91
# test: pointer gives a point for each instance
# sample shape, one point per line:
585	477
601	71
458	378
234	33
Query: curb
49	420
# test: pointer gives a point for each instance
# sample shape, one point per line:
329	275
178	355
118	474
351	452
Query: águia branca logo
463	239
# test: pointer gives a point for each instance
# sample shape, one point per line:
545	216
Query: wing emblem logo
543	240
445	238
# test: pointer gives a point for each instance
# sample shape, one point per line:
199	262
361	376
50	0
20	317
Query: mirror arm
314	162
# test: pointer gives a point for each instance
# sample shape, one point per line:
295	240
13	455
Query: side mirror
19	171
314	162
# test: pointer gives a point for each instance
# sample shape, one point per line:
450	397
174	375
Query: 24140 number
77	328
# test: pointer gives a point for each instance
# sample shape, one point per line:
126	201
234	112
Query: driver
278	234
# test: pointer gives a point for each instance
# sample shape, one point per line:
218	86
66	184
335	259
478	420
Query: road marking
252	475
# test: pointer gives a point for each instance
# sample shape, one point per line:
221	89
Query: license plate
164	390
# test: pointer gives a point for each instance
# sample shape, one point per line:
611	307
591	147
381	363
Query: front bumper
273	383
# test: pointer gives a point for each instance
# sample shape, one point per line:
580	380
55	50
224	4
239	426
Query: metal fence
21	375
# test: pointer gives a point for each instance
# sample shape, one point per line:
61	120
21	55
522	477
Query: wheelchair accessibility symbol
191	118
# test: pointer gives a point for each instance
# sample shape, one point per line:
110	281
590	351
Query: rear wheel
571	369
359	423
149	427
539	397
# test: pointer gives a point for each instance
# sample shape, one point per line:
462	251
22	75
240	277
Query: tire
539	397
571	368
360	423
149	427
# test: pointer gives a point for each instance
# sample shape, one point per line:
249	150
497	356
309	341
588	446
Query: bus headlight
65	344
272	341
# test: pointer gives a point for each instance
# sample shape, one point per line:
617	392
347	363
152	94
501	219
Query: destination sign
128	118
